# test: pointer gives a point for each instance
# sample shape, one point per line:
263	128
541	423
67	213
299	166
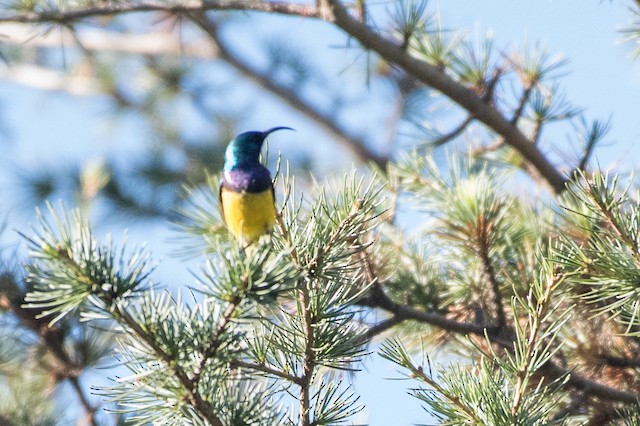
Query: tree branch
196	11
378	299
588	386
430	75
156	43
452	134
46	79
68	16
619	362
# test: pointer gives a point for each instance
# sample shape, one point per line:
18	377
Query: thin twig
619	228
454	133
488	148
418	371
88	408
524	99
216	340
309	362
483	245
266	369
382	326
488	98
537	131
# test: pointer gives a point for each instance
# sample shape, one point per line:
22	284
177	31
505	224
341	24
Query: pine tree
538	295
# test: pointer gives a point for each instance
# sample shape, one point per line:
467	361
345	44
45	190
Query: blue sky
601	77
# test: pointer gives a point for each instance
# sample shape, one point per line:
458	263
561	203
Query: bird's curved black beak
275	129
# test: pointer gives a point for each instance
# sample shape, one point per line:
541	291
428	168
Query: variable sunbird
246	189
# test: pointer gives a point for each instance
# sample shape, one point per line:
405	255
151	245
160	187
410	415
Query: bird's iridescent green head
244	149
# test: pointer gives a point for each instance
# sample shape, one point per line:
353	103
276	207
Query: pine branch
418	371
193	396
592	136
323	247
377	299
395	352
73	269
529	351
465	97
309	364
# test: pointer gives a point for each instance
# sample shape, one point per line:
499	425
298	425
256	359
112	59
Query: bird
247	197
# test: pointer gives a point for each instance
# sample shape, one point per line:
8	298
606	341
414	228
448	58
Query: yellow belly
248	215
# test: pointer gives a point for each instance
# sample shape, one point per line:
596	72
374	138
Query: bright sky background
48	127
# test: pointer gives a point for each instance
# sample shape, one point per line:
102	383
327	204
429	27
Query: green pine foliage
264	320
268	328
